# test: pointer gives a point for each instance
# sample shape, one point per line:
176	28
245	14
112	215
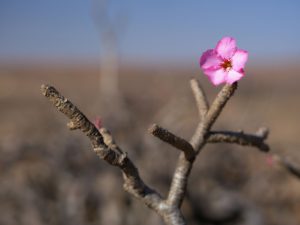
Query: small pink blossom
272	159
269	160
97	122
225	63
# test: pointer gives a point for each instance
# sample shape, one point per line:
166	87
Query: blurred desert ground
49	175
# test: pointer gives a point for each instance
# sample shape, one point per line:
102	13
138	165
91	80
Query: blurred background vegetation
130	62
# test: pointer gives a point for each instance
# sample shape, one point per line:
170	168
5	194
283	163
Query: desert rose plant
223	64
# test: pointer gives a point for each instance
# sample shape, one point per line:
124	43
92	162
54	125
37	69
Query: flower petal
210	60
234	76
226	47
239	59
216	76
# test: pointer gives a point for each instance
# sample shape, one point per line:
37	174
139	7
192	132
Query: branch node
72	126
105	147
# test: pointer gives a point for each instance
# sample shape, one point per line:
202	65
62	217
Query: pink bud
270	160
97	122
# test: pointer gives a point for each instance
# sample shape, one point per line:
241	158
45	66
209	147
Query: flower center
226	65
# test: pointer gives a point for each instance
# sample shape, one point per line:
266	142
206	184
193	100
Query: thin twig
108	151
183	167
218	104
106	148
198	139
200	97
173	140
240	138
291	166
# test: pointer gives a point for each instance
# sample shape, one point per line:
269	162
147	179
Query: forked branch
105	147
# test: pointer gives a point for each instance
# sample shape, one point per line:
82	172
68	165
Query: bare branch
106	149
263	132
173	140
290	165
200	97
218	104
109	140
183	167
179	181
214	111
254	140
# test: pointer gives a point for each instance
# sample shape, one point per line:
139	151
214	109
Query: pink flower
225	63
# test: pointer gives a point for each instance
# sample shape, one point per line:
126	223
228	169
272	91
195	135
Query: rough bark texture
103	144
173	140
254	140
109	152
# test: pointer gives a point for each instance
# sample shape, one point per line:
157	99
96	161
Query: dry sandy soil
49	175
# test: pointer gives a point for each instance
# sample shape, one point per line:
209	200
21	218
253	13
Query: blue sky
154	31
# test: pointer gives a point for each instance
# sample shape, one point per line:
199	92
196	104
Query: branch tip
104	146
241	138
152	129
172	139
200	97
263	132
